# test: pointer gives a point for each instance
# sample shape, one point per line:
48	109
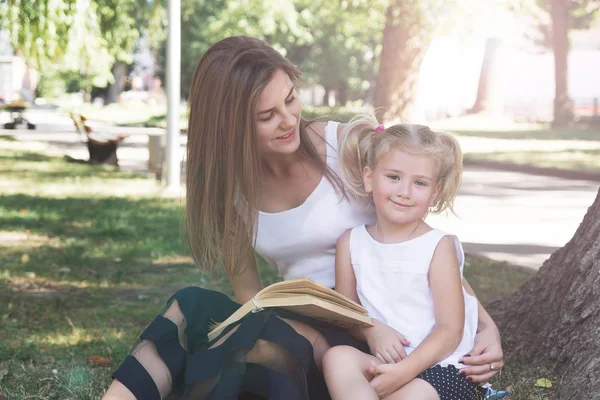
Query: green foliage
50	84
334	42
196	35
582	14
345	44
38	28
84	36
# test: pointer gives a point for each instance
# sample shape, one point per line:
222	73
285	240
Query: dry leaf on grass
544	383
3	373
99	360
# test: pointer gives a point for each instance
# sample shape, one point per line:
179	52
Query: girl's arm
449	309
384	342
345	280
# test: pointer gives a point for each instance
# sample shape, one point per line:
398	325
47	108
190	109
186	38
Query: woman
258	178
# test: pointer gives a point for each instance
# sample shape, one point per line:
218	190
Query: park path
504	215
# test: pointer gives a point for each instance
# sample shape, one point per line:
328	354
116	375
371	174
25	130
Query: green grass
580	133
571	159
88	257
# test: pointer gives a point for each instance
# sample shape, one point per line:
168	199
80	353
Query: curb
533	170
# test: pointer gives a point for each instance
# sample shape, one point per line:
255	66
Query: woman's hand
385	342
485	359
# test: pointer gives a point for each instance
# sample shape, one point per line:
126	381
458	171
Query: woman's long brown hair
223	164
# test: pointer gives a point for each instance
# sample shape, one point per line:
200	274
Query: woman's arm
487	349
248	283
484	320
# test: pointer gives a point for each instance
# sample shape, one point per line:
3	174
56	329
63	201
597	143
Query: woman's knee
204	305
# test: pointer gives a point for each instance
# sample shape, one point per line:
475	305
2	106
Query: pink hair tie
379	128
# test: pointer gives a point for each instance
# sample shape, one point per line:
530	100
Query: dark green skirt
223	372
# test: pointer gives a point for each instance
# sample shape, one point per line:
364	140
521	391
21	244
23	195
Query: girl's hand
385	342
387	379
487	351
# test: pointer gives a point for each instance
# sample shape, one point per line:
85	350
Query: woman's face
278	117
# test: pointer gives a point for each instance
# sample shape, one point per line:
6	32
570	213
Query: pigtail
450	175
353	154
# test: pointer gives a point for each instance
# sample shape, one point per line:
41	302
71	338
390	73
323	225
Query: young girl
405	273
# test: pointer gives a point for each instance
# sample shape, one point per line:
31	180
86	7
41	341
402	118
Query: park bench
102	148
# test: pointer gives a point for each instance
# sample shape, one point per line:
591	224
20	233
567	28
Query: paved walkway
511	216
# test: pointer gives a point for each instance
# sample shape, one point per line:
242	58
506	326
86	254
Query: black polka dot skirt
450	385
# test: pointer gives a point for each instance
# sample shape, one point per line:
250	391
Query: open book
305	297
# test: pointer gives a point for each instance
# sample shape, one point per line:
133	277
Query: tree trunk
341	96
405	41
554	318
326	97
119	70
488	92
563	107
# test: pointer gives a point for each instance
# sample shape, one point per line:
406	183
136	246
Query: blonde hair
363	144
224	168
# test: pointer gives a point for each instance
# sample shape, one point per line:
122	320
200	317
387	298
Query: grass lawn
88	256
571	159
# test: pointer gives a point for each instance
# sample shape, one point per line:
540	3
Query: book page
307	286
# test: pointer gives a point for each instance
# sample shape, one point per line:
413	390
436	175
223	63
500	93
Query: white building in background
17	80
450	76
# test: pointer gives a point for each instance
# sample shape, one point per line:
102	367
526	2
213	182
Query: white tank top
301	241
392	283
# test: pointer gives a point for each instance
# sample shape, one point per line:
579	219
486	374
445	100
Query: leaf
544	383
3	373
25	258
99	361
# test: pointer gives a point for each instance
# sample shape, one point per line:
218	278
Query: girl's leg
346	371
417	389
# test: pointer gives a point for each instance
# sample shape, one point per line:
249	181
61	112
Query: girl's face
403	186
278	117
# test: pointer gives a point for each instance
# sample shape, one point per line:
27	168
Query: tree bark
563	106
341	96
405	41
554	318
119	70
326	96
488	90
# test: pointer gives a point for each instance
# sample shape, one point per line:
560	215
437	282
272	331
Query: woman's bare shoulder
318	127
